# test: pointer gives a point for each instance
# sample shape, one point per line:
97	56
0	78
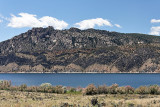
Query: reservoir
81	79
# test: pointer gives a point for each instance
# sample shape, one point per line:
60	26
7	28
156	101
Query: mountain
75	50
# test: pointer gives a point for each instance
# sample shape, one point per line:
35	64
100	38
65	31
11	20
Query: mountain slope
75	50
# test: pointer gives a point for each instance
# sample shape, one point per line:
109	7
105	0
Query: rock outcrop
75	50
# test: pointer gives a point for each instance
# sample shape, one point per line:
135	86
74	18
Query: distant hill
75	50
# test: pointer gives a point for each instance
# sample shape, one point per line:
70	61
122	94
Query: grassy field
35	99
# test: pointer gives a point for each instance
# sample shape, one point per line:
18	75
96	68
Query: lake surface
75	80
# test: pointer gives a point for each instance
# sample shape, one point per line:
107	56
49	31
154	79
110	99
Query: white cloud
4	18
155	21
30	20
155	30
91	23
50	21
1	20
117	25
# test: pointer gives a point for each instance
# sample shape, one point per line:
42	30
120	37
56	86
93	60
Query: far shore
79	72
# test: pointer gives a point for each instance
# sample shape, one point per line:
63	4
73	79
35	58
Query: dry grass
35	99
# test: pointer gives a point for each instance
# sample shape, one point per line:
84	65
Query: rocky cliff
75	50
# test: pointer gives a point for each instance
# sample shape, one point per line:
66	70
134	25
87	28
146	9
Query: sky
126	16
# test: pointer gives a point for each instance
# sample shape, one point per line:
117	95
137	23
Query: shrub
94	101
142	90
102	89
90	90
131	104
112	89
23	87
40	89
64	105
72	90
129	90
1	81
32	89
13	88
79	89
59	90
4	84
121	90
51	90
46	85
154	89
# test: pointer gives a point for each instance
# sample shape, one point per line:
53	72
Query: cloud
117	25
4	18
155	21
1	20
50	21
155	30
30	20
91	23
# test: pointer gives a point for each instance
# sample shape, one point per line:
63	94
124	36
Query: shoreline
80	73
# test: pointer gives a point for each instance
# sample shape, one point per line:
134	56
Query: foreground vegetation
47	95
36	99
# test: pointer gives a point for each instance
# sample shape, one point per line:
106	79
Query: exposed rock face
75	50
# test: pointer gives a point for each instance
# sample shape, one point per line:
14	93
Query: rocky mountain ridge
75	50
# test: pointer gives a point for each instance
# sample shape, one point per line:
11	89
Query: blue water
75	80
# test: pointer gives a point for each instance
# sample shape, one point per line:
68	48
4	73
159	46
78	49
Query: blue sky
127	16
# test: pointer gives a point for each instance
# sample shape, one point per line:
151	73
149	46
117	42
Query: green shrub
131	104
72	90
